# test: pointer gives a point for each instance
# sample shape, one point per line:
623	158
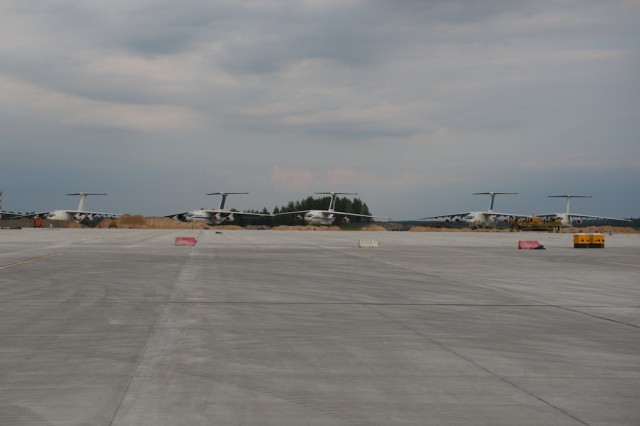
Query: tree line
343	204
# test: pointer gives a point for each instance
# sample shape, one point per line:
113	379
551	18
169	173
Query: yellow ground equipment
588	240
535	223
596	240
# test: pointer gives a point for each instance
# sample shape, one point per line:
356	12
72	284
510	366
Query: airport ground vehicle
536	223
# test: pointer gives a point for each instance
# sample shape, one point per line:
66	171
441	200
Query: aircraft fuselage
75	216
566	220
59	215
319	218
207	217
480	220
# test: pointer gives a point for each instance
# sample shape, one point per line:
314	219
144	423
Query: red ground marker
185	241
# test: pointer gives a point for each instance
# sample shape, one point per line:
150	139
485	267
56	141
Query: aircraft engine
218	218
79	217
229	218
345	220
578	221
507	220
299	218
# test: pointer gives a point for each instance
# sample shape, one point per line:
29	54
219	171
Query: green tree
344	204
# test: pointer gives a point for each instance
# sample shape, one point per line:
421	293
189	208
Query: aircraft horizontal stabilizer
226	193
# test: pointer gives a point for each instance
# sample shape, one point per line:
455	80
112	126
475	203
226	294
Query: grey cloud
465	90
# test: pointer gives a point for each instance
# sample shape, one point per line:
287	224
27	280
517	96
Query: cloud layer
414	104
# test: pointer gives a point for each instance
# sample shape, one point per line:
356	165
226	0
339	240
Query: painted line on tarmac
35	259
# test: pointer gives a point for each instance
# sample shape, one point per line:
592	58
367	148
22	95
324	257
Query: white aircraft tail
332	203
224	197
493	196
569	197
83	198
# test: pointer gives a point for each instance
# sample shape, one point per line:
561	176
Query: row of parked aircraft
489	218
220	215
310	217
215	216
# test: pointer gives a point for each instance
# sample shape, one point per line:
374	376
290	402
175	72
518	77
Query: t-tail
332	203
569	197
224	197
493	196
83	199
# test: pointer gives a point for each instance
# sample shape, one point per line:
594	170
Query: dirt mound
69	224
128	221
305	228
131	220
374	228
140	222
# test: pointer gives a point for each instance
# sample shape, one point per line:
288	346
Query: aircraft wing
583	216
44	215
213	212
359	215
328	213
445	216
509	214
7	215
586	216
296	212
548	215
95	213
175	214
30	215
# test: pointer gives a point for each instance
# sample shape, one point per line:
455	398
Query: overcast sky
414	104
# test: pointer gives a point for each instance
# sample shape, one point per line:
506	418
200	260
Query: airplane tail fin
569	197
332	203
83	198
224	197
493	196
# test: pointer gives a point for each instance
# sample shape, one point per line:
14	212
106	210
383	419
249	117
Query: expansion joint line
475	364
577	311
530	301
167	303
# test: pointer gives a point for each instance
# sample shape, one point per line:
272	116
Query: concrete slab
120	327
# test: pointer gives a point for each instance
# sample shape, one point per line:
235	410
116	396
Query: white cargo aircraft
78	215
5	214
475	220
568	219
327	217
213	216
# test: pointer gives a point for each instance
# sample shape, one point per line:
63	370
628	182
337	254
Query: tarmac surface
120	327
